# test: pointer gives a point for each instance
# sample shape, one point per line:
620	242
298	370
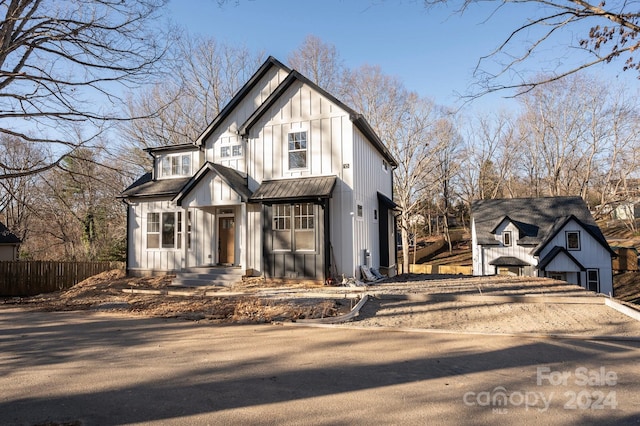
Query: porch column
243	236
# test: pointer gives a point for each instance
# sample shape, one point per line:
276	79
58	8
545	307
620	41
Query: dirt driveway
88	368
120	366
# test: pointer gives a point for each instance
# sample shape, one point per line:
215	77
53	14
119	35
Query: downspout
126	252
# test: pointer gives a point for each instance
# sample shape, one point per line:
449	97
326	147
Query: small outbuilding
554	237
9	244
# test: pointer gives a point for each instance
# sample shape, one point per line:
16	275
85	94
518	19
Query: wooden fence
27	278
437	269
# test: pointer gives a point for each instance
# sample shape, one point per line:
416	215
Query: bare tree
611	32
490	149
566	126
320	62
203	75
404	121
61	63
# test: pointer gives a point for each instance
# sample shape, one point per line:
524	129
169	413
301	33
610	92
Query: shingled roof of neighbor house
537	219
306	188
6	236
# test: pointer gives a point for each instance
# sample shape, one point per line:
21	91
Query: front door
226	240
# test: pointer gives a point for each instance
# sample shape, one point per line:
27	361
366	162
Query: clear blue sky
433	52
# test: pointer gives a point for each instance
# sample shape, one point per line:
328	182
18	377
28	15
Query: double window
164	230
176	165
230	151
294	227
297	150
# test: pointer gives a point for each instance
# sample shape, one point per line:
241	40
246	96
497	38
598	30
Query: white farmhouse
553	237
286	182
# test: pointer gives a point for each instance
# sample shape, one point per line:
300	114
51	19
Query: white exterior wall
139	256
369	178
211	192
254	238
329	148
592	255
490	253
227	132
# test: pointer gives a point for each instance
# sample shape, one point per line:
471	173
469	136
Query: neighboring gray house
9	244
286	182
553	237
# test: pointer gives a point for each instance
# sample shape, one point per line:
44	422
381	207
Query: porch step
207	276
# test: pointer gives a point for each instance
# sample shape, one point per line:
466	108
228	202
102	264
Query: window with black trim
593	280
573	240
281	227
294	227
297	142
506	238
359	210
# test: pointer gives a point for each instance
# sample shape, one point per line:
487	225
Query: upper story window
506	238
230	151
573	240
385	166
297	150
176	165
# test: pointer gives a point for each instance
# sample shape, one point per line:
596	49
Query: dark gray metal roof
538	219
508	261
6	236
306	188
146	187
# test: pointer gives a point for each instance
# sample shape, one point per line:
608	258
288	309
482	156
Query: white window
231	151
573	240
153	230
176	165
297	150
385	166
164	230
168	230
506	238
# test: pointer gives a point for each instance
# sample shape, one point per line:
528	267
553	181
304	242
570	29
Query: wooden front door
226	240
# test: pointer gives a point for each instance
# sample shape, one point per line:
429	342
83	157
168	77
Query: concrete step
207	277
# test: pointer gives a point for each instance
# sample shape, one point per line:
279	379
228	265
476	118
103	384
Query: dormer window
506	238
176	165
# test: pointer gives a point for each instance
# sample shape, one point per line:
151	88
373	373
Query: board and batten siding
330	152
592	254
226	133
369	179
493	252
139	256
211	191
